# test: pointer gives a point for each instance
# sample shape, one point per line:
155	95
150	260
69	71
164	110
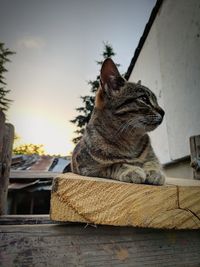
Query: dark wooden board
25	219
2	130
77	245
195	155
16	175
5	160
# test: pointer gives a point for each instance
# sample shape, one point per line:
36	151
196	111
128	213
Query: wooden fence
195	155
6	143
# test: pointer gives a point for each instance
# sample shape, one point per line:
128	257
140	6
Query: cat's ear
110	76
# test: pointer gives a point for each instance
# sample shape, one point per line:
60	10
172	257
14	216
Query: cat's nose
161	112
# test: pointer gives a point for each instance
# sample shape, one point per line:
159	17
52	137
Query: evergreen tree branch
85	111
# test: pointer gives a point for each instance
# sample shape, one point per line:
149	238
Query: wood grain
104	246
195	155
26	174
24	219
5	160
2	130
101	201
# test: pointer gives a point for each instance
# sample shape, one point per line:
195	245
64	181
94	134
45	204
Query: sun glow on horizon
49	131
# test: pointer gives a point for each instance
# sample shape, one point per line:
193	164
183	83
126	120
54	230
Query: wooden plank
25	219
195	155
43	175
77	245
101	201
2	130
6	163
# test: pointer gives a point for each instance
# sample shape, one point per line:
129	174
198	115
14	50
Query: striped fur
115	144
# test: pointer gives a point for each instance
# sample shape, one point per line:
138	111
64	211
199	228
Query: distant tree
5	53
16	138
29	149
85	111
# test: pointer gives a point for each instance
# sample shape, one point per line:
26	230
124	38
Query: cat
115	144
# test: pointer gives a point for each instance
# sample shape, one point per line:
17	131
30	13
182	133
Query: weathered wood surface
25	219
195	155
5	160
42	175
2	130
77	245
101	201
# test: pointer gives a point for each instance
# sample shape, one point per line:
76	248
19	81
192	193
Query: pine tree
88	101
5	53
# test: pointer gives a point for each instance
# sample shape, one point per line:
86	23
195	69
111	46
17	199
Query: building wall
179	170
169	64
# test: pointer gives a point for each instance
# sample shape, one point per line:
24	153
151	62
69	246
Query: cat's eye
144	99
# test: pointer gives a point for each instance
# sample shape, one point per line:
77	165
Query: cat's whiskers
126	126
123	127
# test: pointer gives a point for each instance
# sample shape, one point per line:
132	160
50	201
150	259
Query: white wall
169	64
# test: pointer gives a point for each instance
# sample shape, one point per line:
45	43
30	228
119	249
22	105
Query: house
167	60
30	183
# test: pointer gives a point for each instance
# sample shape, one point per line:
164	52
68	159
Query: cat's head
132	105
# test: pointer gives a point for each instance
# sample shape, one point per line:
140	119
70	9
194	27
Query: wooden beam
102	201
6	155
24	219
2	131
43	175
195	155
103	246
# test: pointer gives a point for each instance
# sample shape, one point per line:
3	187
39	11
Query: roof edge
143	38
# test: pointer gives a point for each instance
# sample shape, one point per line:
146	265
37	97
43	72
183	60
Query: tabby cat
115	143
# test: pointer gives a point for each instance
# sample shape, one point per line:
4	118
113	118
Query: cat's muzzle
160	116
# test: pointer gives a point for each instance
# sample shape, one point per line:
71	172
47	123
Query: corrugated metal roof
61	164
34	173
42	164
39	163
19	186
31	186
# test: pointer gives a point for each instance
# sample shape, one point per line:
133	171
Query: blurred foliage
5	53
85	111
29	149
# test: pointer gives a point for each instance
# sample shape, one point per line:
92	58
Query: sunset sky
56	45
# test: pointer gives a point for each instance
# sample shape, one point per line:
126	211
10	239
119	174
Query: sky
57	44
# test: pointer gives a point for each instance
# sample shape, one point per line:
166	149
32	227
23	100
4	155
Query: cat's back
76	156
82	161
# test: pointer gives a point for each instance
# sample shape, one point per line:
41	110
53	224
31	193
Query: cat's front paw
155	177
134	175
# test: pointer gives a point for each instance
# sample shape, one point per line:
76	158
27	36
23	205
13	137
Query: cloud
31	42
